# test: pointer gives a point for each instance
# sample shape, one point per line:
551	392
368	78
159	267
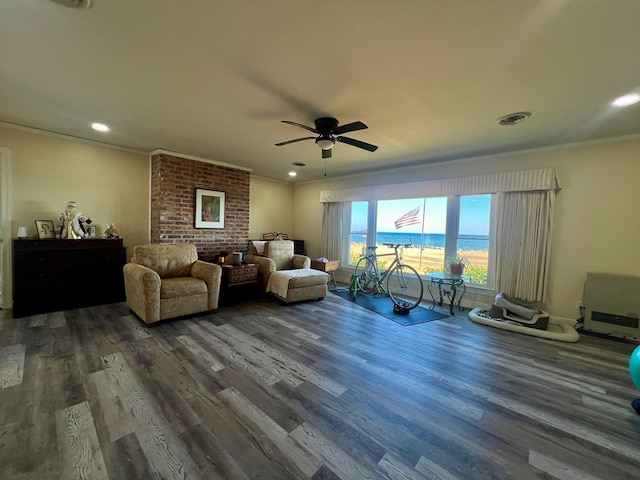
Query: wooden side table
328	267
238	275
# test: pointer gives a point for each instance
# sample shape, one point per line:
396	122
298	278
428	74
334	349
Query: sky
474	215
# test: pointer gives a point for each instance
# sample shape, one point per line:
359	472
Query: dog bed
560	329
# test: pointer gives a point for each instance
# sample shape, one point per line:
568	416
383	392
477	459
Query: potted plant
456	264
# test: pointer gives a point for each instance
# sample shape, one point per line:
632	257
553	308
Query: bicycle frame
371	278
382	274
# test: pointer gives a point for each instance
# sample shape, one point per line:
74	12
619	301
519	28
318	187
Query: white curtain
523	242
331	239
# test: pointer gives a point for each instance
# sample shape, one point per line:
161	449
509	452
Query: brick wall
173	187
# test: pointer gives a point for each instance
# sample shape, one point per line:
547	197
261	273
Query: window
436	227
358	231
473	235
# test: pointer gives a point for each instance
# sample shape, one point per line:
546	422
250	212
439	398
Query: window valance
527	180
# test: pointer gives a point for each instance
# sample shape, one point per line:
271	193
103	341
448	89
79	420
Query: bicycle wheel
400	281
366	275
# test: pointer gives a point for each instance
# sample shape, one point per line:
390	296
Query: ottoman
296	285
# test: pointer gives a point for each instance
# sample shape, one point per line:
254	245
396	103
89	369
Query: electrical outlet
579	304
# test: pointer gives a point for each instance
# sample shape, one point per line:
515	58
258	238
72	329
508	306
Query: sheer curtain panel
331	239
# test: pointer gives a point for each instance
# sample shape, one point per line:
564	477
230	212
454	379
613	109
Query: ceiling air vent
75	3
513	118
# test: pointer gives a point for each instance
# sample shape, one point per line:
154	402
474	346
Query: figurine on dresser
73	222
111	231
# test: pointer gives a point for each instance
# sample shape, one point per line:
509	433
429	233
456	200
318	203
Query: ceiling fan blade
294	141
326	153
295	124
349	127
357	143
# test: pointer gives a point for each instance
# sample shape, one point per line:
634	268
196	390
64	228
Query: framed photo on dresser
45	229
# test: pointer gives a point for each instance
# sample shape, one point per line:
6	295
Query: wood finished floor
320	390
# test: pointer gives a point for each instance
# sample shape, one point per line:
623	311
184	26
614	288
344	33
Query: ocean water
427	240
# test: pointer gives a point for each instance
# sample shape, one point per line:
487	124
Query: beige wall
596	226
109	185
271	208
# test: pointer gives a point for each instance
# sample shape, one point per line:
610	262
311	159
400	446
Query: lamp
22	232
325	142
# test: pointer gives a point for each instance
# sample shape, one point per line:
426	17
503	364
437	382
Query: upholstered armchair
167	280
274	255
284	274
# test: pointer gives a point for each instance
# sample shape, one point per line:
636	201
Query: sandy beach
432	258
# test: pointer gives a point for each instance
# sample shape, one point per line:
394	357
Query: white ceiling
213	79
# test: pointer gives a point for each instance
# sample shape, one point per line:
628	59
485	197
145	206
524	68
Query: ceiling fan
329	133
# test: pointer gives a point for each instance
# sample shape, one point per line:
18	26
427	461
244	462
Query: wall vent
82	4
513	118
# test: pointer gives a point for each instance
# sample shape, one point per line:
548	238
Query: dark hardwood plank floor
317	390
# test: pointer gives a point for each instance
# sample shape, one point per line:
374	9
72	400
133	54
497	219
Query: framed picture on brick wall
209	209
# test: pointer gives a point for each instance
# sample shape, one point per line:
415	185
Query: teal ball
634	367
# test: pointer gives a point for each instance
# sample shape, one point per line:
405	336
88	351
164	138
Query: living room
325	389
593	231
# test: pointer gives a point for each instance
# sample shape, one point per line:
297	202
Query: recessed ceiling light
626	100
292	173
101	127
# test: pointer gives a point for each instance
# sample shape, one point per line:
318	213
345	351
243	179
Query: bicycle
368	277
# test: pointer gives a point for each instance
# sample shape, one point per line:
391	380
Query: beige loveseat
286	275
167	281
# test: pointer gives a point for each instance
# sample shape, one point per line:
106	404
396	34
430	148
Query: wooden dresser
298	247
51	275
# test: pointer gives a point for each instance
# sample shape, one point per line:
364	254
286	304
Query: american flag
409	218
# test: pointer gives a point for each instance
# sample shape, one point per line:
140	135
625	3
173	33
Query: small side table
237	275
328	267
447	287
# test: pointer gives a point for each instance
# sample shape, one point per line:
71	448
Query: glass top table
448	286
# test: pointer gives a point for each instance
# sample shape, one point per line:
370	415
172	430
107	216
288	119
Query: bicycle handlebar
392	245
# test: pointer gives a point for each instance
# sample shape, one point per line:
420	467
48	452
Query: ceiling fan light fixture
325	143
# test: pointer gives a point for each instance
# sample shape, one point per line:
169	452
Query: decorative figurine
110	231
73	222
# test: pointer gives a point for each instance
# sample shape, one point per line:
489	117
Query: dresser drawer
246	274
240	274
247	277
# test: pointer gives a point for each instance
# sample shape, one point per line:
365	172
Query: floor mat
382	305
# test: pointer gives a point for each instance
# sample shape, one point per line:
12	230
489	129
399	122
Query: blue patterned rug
382	305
